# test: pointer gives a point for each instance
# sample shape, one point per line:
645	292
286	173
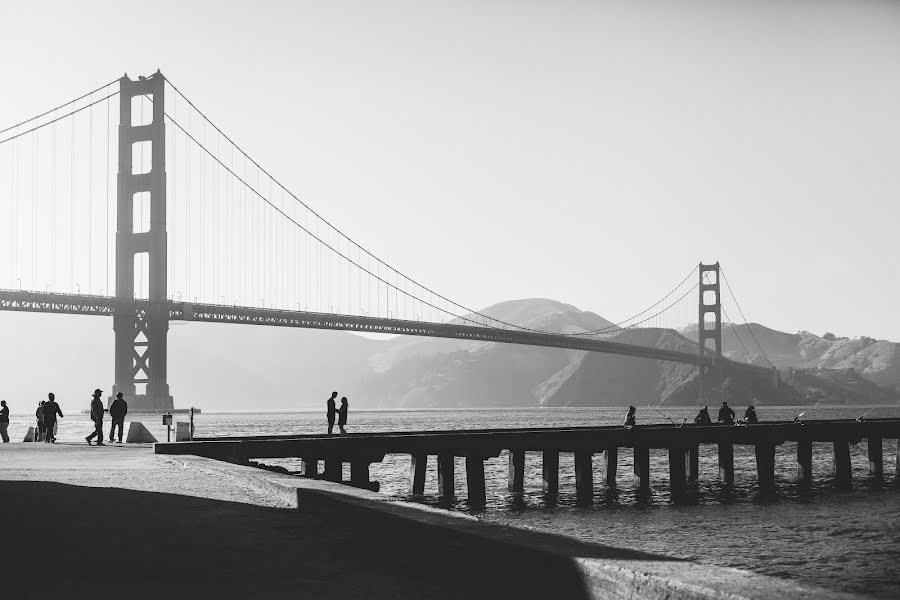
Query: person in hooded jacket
117	410
703	417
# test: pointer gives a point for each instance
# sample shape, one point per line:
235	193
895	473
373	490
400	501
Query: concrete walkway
120	520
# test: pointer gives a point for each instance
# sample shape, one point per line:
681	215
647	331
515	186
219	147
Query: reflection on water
842	540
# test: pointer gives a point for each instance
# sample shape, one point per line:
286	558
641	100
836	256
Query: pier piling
333	469
642	466
694	463
475	480
843	477
584	475
876	457
309	467
678	466
610	463
445	476
550	470
418	465
765	465
359	473
726	463
516	477
804	462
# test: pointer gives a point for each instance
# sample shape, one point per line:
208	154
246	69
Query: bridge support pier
309	467
359	473
584	475
876	457
642	467
678	467
516	477
333	469
418	465
475	481
693	463
726	463
804	462
843	477
550	470
609	465
445	476
765	465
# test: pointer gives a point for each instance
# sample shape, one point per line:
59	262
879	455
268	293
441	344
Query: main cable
44	114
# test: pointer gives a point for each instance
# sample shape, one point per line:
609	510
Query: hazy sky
588	152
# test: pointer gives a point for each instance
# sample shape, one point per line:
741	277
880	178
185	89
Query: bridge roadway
77	304
682	443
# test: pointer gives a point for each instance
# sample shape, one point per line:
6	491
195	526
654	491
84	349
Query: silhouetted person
4	421
332	411
703	417
40	429
726	415
630	418
51	410
342	415
117	410
97	411
750	416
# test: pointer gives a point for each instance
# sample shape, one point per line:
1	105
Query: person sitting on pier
750	416
331	412
39	429
630	419
703	417
726	415
51	410
342	415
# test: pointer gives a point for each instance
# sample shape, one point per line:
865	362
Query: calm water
842	540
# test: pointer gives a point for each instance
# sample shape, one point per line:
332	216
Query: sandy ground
119	520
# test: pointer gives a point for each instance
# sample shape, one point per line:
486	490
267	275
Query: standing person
39	415
726	415
630	418
4	421
331	412
117	410
97	411
342	415
51	410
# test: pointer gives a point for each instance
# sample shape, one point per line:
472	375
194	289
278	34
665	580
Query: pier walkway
681	442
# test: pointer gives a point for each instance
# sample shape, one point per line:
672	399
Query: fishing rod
797	418
667	417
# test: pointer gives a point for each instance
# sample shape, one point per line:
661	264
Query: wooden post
694	463
804	462
516	477
584	475
333	469
765	465
551	471
445	476
642	466
418	465
309	467
843	477
475	480
726	463
876	457
609	465
678	461
359	472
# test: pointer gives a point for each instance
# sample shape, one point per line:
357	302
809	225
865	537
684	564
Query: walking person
97	411
331	413
342	415
4	421
39	415
117	410
51	410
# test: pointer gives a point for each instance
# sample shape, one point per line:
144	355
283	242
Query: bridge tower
710	284
141	328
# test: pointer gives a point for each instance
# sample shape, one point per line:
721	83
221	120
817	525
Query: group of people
726	416
341	414
117	410
48	411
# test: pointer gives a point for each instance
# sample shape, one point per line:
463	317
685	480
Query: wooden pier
681	442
